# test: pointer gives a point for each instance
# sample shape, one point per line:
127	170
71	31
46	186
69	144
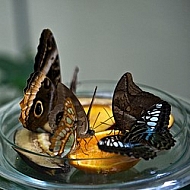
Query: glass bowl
170	169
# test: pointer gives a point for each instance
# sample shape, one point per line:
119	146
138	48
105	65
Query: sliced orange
89	158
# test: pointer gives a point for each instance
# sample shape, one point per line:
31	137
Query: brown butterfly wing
82	123
129	102
68	121
47	57
40	90
38	101
63	119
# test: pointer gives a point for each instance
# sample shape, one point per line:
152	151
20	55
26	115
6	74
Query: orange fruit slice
89	158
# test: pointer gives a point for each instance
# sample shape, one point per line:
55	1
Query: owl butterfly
142	119
48	104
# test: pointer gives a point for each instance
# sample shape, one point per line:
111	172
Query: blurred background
105	38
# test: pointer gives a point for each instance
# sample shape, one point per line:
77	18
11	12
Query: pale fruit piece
33	148
89	158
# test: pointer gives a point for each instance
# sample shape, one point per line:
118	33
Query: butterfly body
143	120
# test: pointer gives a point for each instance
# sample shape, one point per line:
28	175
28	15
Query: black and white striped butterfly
142	119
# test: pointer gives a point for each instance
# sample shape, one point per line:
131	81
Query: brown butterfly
143	120
48	104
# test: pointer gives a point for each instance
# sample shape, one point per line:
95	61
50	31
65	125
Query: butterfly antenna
73	84
95	121
91	103
89	109
110	117
104	122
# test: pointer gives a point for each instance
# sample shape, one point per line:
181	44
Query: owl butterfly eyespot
38	110
142	119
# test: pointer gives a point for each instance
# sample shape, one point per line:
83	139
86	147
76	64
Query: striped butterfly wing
152	127
122	145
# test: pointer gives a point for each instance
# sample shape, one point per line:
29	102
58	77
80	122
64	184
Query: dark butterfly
142	119
48	104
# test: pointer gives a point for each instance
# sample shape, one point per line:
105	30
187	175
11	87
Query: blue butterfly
142	119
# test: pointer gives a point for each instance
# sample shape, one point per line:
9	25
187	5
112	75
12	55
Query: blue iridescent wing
122	145
152	127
